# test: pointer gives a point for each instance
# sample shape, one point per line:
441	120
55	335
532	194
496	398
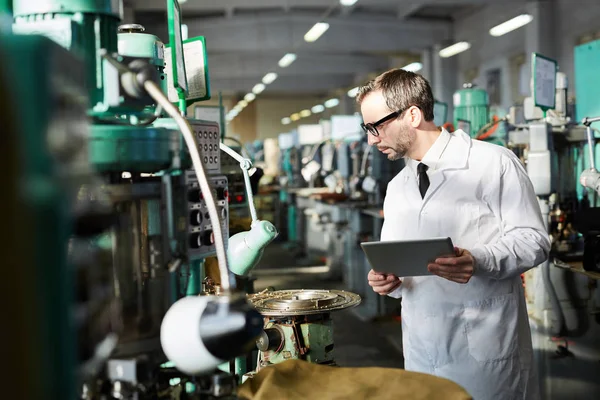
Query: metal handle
587	121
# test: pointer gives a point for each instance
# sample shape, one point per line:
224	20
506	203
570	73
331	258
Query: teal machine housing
471	109
587	90
39	78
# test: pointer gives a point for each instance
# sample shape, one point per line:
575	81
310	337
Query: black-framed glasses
372	127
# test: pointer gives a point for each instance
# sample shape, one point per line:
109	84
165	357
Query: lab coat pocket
440	337
492	328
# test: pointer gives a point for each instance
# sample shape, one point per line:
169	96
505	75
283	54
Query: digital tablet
406	257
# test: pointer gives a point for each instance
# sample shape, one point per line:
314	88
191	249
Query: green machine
472	114
132	233
298	324
587	86
44	160
471	109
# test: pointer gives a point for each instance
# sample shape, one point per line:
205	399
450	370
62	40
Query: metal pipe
227	280
547	278
587	121
590	140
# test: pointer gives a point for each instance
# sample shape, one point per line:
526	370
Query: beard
401	143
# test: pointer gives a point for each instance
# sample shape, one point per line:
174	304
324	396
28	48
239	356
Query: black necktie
423	179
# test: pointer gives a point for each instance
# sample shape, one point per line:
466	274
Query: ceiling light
233	113
332	103
454	49
258	88
319	108
249	97
348	3
287	60
295	117
316	31
286	121
269	78
353	92
238	108
511	25
305	113
243	103
413	67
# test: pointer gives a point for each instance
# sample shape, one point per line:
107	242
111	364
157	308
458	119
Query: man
469	323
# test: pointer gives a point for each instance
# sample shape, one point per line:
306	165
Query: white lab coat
475	334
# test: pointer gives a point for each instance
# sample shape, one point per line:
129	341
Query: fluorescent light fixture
287	60
454	49
243	103
286	121
346	3
305	113
316	31
249	97
332	103
319	108
353	92
511	25
269	78
258	88
413	67
295	117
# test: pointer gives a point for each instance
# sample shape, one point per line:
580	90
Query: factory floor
357	343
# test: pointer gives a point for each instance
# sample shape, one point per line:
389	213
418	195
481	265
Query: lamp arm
245	165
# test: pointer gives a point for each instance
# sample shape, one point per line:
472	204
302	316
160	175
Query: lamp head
246	248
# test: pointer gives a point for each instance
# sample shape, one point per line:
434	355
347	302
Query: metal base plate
302	302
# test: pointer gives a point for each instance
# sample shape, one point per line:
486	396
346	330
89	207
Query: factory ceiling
247	38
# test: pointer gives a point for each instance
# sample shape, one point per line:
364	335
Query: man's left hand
457	269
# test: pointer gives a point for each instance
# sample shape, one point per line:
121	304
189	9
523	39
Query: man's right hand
383	284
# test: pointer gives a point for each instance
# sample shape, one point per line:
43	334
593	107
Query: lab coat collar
449	151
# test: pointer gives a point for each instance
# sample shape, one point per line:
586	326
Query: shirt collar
433	157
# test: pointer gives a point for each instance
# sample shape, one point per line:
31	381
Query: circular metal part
270	339
303	301
131	28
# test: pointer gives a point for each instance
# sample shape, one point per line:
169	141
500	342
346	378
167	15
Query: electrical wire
227	283
489	129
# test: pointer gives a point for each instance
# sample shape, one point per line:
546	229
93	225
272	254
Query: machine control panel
201	239
208	138
235	178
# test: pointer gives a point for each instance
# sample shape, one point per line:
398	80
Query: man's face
396	136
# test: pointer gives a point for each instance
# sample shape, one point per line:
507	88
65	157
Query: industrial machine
562	293
298	324
132	197
472	115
